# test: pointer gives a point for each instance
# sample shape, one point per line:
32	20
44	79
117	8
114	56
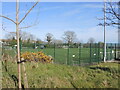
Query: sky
59	0
58	17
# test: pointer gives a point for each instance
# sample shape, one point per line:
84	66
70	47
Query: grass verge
103	75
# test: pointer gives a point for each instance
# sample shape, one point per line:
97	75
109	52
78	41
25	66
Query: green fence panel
70	54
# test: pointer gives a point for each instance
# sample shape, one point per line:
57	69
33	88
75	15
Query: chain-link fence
71	54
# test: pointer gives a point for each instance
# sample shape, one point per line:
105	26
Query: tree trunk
18	44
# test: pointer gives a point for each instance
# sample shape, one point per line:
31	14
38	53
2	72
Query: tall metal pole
119	31
18	43
119	24
104	30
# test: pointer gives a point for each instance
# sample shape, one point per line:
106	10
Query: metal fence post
106	51
79	53
90	53
54	52
103	52
118	49
2	48
20	45
111	52
68	55
34	45
115	52
95	51
98	46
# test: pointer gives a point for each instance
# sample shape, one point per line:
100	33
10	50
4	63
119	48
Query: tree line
29	39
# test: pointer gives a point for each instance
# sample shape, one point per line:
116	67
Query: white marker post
73	56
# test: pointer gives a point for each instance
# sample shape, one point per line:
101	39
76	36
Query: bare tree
112	14
49	37
17	23
10	36
39	41
23	35
91	40
32	37
57	41
69	36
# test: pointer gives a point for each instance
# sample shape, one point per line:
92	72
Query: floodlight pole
104	30
119	25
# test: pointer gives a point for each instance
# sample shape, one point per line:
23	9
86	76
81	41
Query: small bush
38	57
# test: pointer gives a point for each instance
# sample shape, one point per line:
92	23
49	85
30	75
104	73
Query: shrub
37	57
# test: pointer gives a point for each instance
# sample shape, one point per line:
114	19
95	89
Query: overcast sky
58	17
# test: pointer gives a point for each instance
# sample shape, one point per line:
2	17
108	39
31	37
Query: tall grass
103	75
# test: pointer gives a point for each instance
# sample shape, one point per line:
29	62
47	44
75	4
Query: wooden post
25	75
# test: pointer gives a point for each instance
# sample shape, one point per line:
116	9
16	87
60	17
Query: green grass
103	75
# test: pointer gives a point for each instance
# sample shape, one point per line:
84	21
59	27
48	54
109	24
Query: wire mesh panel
49	50
101	49
94	52
112	57
30	47
69	54
117	51
8	50
108	52
111	51
60	52
85	53
74	54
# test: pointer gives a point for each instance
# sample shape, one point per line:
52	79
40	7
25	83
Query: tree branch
3	28
27	26
34	24
114	13
8	18
29	11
